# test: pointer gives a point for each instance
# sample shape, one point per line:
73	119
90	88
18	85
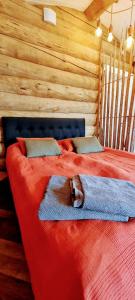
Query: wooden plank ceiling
92	8
79	4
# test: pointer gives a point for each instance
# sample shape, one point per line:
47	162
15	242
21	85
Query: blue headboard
59	128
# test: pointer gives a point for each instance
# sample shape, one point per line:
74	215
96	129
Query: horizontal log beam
46	57
29	103
39	37
96	8
15	67
44	89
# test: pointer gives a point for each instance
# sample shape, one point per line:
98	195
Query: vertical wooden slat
121	98
126	100
130	117
112	102
114	145
132	147
101	132
108	101
105	101
99	89
102	95
115	102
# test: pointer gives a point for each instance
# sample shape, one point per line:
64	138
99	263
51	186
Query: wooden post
130	117
105	102
132	149
112	102
114	145
99	90
108	101
102	95
126	100
121	99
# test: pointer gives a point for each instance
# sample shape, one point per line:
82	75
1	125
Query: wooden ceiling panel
78	4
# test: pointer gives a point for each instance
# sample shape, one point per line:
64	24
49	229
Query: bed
69	260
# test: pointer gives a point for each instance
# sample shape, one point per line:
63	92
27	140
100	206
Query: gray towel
105	195
57	204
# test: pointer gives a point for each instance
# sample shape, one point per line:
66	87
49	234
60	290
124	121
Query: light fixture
99	29
130	37
110	34
130	31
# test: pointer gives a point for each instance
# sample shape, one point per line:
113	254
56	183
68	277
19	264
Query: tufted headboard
58	128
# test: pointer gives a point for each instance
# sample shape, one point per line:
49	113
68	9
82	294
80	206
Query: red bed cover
73	260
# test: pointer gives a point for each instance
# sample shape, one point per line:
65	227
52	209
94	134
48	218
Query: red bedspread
73	260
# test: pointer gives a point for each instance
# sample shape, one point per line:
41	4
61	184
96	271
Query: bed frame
58	128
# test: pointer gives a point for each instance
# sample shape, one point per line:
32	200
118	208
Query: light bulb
110	37
98	31
129	41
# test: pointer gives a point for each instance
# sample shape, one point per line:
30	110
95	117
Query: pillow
87	145
38	148
22	144
66	144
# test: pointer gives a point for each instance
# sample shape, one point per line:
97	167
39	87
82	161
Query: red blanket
73	260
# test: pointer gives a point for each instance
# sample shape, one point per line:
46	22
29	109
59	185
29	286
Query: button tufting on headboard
58	128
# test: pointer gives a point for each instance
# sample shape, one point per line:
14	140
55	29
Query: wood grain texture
11	249
14	274
79	5
109	98
125	112
96	8
44	56
131	118
40	88
49	105
2	150
122	99
15	268
2	164
12	66
14	289
1	134
112	104
117	98
5	213
105	100
19	29
35	18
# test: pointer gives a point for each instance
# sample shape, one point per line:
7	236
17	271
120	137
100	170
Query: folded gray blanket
104	195
57	204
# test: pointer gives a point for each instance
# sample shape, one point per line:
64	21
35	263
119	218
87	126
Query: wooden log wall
47	71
